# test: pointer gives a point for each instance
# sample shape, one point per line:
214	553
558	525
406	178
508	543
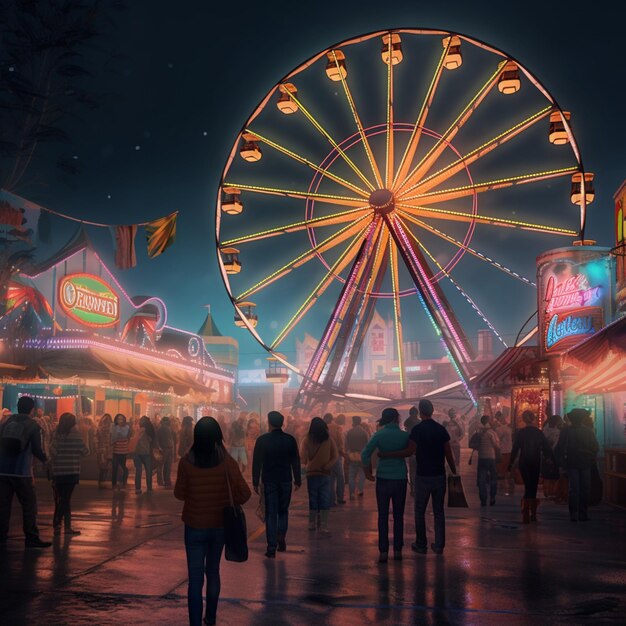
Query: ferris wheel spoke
397	314
340	264
456	285
329	336
332	142
459	244
358	313
460	216
434	302
389	158
442	143
300	159
359	125
317	222
454	193
301	195
330	242
471	157
411	148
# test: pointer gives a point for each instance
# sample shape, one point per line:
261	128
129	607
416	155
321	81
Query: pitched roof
209	328
78	241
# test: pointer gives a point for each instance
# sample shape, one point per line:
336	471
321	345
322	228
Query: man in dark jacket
20	440
576	451
276	461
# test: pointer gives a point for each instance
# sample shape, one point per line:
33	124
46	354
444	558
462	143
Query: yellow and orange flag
160	234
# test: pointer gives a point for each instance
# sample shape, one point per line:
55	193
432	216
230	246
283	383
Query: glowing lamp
509	81
58	391
247	308
336	66
557	133
231	261
250	150
276	373
396	49
590	192
231	201
453	58
285	104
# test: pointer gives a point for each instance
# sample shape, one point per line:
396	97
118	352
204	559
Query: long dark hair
318	431
67	421
207	449
147	426
123	419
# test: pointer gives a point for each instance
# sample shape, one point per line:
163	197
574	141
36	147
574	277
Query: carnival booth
515	382
576	296
76	341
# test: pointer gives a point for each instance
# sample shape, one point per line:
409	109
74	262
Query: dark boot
534	503
525	510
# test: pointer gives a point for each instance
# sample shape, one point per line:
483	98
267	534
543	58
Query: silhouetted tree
46	48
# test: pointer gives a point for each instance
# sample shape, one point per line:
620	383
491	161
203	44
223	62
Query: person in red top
201	485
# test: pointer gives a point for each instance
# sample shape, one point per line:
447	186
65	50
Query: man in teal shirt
391	481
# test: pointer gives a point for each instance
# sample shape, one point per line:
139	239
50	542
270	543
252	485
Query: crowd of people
216	459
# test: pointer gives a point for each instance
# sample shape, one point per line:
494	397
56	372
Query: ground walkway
128	567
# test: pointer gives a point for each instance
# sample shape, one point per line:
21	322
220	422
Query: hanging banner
575	288
18	218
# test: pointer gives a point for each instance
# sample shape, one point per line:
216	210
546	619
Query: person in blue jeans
318	453
202	485
488	455
276	462
430	443
391	480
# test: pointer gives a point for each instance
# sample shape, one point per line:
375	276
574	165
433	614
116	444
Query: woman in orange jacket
201	485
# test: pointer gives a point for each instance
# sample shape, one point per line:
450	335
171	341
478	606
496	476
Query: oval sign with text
89	300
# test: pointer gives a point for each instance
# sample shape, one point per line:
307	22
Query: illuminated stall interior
74	339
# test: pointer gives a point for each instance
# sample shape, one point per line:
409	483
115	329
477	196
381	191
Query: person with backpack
20	441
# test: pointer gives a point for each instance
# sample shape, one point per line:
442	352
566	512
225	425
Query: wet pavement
128	567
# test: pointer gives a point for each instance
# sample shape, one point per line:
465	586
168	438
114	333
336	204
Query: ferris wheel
401	169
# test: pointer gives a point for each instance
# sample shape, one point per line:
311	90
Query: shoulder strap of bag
230	491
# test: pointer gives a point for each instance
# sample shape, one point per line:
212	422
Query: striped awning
608	376
502	373
594	350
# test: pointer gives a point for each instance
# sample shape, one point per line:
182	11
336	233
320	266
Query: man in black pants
276	461
20	440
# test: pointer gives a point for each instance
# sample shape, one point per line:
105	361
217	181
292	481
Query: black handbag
235	528
456	493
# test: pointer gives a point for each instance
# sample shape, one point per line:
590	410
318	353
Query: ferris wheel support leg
318	377
456	344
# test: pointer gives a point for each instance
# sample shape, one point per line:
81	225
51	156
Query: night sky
189	75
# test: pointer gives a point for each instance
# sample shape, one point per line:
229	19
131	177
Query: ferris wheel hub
382	201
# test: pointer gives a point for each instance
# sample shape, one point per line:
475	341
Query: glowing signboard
89	300
575	290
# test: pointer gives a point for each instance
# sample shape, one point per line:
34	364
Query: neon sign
572	292
571	325
89	300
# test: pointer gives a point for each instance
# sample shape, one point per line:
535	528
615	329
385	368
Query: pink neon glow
115	281
80	343
355	139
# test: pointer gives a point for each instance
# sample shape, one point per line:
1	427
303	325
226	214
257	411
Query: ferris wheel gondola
389	208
